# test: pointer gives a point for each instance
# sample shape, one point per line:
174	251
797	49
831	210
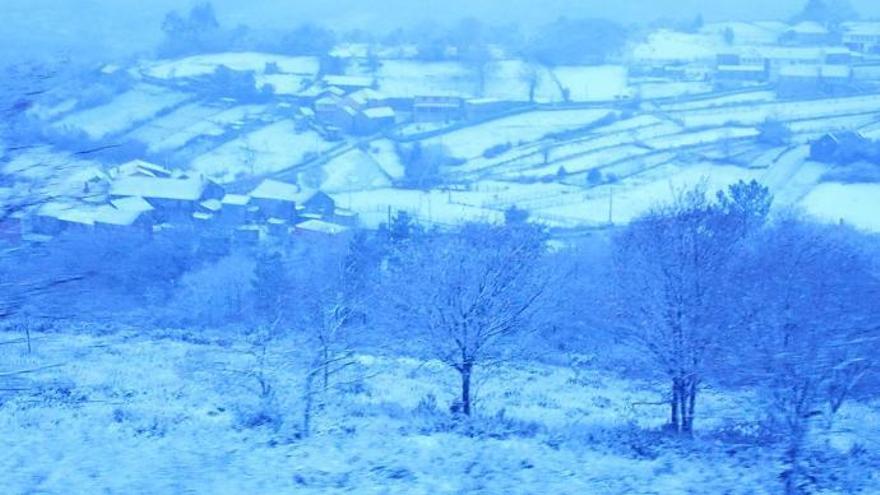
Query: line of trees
706	290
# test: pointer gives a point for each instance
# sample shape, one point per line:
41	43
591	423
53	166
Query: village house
863	37
140	168
807	33
234	209
314	202
800	81
115	221
173	199
734	75
333	111
53	218
366	98
375	119
838	147
759	63
276	199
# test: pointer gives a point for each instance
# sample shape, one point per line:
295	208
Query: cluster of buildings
807	60
801	60
142	199
343	108
363	111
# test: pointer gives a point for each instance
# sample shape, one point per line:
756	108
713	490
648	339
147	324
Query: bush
497	150
214	295
774	133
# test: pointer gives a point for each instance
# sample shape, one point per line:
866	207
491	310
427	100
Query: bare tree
804	329
669	265
328	303
468	295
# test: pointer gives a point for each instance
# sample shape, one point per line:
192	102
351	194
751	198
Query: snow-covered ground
593	83
140	104
139	413
201	65
472	141
856	204
271	148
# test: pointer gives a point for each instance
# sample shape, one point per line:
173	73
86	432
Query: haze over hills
120	27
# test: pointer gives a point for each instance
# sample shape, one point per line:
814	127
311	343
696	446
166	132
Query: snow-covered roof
379	112
861	28
809	27
236	199
326	100
159	188
77	215
212	204
107	214
364	96
131	203
321	227
202	216
741	68
143	168
358	81
840	71
273	189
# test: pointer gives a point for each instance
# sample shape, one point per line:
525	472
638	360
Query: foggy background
117	28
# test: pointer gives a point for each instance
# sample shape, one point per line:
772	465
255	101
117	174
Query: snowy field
785	111
471	142
857	204
272	148
139	413
202	65
140	104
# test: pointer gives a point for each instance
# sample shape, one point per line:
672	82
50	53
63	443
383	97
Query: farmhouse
862	37
314	202
838	147
812	80
372	120
366	98
276	199
171	198
806	33
729	75
334	111
235	209
140	168
112	220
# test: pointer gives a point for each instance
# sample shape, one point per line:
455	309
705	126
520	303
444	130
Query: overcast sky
114	27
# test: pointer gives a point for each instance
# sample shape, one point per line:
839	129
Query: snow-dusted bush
214	295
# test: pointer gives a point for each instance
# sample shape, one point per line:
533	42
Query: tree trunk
326	371
308	398
674	423
794	474
687	424
466	370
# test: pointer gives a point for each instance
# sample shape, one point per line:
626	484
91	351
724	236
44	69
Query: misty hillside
440	247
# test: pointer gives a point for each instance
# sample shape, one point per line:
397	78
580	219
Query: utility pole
610	204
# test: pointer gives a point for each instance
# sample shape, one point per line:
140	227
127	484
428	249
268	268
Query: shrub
497	150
